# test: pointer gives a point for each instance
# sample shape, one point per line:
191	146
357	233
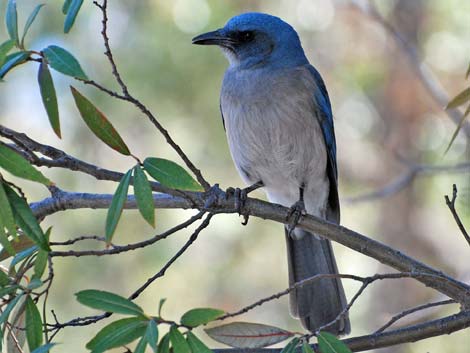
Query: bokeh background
383	117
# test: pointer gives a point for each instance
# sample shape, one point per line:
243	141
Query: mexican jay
277	116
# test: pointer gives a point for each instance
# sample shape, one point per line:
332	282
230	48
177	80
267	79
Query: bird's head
256	39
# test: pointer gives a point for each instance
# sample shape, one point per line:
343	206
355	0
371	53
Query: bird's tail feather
319	302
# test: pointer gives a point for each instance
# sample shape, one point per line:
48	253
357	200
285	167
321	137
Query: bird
279	125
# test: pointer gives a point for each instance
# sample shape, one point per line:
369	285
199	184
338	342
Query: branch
406	178
451	205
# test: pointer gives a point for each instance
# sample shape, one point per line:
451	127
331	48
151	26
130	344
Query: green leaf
306	348
196	345
45	348
99	124
13	60
152	335
200	316
64	62
4	279
160	306
164	345
25	219
328	343
30	21
4	240
108	302
17	165
41	259
467	74
117	333
290	347
11	305
140	348
23	255
170	174
460	99
143	196
6	213
178	342
5	48
33	325
72	11
117	204
457	130
48	95
66	6
11	20
34	283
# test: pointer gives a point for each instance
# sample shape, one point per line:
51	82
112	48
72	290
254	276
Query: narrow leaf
64	62
328	343
164	345
178	342
108	302
23	255
306	348
6	213
140	348
460	99
4	279
5	48
17	165
40	263
6	312
170	174
21	243
72	11
117	204
33	325
45	348
160	306
13	60
25	219
48	95
16	336
248	335
99	124
6	245
143	196
117	333
196	345
457	129
11	20
200	316
152	335
30	21
66	6
290	347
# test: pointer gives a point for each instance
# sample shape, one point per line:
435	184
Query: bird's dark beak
213	38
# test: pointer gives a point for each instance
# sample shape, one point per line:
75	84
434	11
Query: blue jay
279	125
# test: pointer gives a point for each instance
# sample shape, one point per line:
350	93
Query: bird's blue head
255	39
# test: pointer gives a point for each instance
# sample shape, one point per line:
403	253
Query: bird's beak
216	37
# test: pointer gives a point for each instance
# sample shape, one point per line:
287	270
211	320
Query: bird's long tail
319	302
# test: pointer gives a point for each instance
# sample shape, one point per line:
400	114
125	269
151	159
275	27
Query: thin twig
451	204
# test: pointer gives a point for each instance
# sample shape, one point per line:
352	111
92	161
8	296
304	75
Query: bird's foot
241	195
294	215
212	196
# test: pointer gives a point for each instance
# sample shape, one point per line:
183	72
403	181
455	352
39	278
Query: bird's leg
296	211
240	197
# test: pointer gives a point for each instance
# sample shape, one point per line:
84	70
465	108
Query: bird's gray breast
272	130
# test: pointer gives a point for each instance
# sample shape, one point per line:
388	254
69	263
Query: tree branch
451	205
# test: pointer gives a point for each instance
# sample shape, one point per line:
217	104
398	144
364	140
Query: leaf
152	335
33	325
460	99
16	335
23	255
467	74
456	132
45	348
6	213
4	279
290	347
13	60
48	95
160	306
19	244
17	165
30	21
328	343
143	196
306	348
6	312
41	260
164	345
64	62
72	11
117	204
108	302
170	174
140	348
66	6
99	124
11	20
178	342
196	345
200	316
5	48
247	334
117	333
25	219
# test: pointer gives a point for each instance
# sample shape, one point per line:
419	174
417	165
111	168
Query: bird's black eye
246	36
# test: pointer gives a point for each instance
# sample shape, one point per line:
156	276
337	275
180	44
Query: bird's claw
241	195
296	212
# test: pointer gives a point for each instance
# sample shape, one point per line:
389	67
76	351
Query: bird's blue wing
325	117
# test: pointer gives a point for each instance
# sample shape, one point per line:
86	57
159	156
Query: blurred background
385	120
